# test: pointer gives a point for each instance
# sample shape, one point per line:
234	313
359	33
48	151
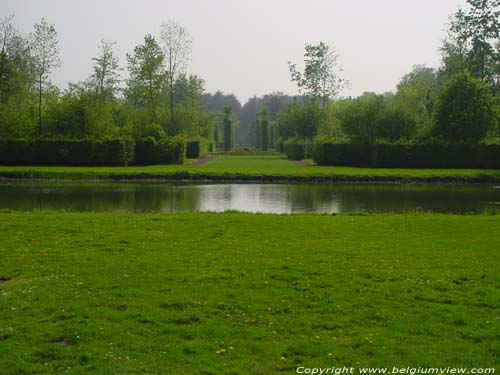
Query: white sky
243	46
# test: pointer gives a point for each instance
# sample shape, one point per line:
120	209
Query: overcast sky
243	46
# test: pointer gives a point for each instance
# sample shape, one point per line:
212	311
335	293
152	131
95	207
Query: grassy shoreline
246	294
266	168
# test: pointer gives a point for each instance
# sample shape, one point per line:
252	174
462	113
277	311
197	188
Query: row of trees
157	99
458	102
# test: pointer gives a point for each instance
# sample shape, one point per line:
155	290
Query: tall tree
321	77
44	50
7	33
471	41
146	73
106	71
263	123
176	44
228	129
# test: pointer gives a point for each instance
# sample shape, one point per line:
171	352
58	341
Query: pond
262	198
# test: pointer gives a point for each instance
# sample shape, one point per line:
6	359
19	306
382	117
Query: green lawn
254	167
246	294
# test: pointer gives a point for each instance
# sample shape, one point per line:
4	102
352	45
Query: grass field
246	294
254	167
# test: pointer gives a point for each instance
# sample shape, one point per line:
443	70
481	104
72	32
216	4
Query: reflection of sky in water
264	198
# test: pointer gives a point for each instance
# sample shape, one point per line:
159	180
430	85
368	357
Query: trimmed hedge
88	153
435	155
199	148
297	149
167	151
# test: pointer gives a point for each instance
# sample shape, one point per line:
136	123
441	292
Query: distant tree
228	129
263	123
415	97
176	45
17	82
473	34
7	34
146	74
44	50
465	109
301	121
217	101
359	117
106	71
320	80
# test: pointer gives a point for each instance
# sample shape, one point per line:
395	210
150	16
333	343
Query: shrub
89	153
297	148
198	148
279	144
465	109
408	155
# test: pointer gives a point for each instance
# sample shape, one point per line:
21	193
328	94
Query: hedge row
408	156
88	153
166	151
198	148
297	149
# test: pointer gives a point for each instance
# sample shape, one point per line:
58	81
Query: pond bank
255	168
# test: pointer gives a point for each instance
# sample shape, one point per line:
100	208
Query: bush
167	151
297	148
198	148
279	144
89	153
108	152
407	155
172	150
465	109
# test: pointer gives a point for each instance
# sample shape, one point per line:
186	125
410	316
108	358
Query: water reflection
264	198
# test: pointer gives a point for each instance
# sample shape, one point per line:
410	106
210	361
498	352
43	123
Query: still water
264	198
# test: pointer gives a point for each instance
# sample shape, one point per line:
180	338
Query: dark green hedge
297	148
87	153
198	148
166	151
435	155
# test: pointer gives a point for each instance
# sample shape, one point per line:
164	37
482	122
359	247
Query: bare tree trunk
40	106
153	110
171	104
171	83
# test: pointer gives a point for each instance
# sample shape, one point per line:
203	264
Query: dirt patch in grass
64	342
302	163
203	161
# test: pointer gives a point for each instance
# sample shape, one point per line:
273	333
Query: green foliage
416	95
359	117
198	148
145	84
166	151
279	144
228	129
473	42
263	124
407	155
127	151
91	152
297	148
154	130
301	121
320	80
465	110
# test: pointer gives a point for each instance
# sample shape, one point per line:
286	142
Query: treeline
457	104
157	100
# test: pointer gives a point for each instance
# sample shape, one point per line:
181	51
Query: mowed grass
246	294
253	167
